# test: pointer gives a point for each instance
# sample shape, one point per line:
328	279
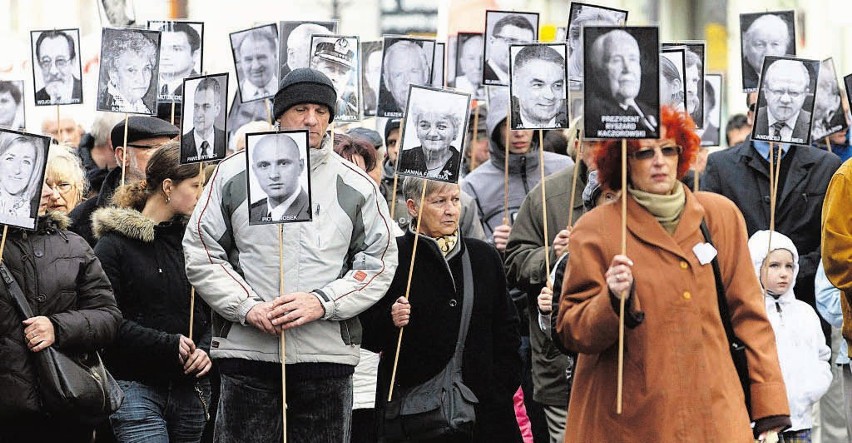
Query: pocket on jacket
351	331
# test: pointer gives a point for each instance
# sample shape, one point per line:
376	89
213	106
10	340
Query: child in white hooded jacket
802	351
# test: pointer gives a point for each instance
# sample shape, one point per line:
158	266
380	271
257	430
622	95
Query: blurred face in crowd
257	60
64	195
68	131
176	55
184	195
441	210
785	86
519	141
132	75
768	35
138	154
392	143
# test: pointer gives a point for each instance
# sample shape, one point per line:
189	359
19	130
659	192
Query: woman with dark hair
161	371
680	383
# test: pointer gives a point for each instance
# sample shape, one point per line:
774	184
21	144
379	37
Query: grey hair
412	187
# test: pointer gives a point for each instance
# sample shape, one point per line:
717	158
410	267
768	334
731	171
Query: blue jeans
174	413
250	410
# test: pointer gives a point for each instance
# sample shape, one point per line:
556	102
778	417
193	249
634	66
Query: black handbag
442	406
69	385
736	346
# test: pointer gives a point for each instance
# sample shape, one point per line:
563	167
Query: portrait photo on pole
468	63
294	50
279	188
537	86
438	66
12	104
116	13
785	100
693	72
672	78
433	134
711	135
338	57
452	42
371	73
256	61
503	29
406	61
580	15
241	113
763	34
129	70
622	87
829	116
204	124
56	67
181	56
22	163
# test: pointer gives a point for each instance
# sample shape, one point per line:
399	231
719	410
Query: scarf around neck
667	209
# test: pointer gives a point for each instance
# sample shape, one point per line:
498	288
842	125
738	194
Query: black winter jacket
491	365
145	264
63	280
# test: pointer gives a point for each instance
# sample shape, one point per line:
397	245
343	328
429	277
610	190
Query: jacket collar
129	223
647	229
320	156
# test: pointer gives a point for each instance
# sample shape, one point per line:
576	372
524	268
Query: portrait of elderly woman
405	62
129	61
677	361
22	159
434	134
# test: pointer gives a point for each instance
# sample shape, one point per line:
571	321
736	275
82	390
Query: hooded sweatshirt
801	347
485	183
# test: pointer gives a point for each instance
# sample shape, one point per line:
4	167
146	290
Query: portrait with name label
538	86
130	60
829	117
255	53
339	58
181	56
503	29
785	100
22	164
622	87
279	188
56	67
406	61
203	135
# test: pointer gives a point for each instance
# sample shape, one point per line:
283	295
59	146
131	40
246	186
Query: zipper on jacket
778	308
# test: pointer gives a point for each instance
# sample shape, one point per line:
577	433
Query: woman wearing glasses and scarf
680	383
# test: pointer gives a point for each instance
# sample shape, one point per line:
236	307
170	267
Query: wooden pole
828	144
577	159
506	168
3	241
58	126
283	340
621	303
773	186
124	149
172	121
544	209
475	137
192	289
407	288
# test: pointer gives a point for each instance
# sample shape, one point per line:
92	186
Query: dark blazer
413	162
189	152
741	174
43	98
561	117
489	76
801	130
300	210
595	109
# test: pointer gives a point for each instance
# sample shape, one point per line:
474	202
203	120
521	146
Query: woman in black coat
161	370
74	309
491	365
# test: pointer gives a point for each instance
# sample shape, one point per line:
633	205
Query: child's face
776	275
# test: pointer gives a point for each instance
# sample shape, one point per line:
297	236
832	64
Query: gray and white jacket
346	256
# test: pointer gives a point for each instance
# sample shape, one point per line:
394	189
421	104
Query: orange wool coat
679	380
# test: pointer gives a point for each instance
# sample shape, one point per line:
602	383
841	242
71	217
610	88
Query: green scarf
666	208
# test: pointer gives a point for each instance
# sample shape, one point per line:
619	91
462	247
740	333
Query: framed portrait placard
537	86
279	187
57	77
785	100
129	70
23	157
255	53
181	56
204	123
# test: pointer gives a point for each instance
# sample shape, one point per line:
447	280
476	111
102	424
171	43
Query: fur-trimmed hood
55	220
124	221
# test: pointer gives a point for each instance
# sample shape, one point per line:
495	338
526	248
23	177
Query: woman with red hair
680	383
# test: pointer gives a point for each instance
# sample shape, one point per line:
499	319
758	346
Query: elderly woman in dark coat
74	309
490	362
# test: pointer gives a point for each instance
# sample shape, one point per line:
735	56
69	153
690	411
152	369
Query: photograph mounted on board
204	119
468	64
622	88
56	67
181	56
438	66
672	78
433	134
711	135
538	86
338	57
694	78
116	13
371	73
22	163
406	61
503	29
256	61
785	100
829	117
763	34
129	69
295	47
240	114
279	188
580	15
12	104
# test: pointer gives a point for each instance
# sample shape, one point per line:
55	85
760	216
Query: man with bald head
277	165
299	46
769	34
785	87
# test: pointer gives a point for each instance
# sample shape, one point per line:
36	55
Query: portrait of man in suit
180	57
256	57
204	141
784	87
406	62
277	165
538	87
56	56
764	34
509	29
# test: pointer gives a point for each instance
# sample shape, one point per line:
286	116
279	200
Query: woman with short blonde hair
66	179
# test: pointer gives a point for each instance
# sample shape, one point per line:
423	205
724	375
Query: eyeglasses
61	187
511	40
60	63
649	153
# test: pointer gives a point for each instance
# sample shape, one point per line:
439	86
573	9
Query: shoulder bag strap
15	290
720	289
467	307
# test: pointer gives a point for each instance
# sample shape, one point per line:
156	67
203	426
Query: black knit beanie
305	85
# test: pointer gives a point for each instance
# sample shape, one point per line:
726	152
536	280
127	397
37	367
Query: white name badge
704	252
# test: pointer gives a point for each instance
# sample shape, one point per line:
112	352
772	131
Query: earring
168	198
